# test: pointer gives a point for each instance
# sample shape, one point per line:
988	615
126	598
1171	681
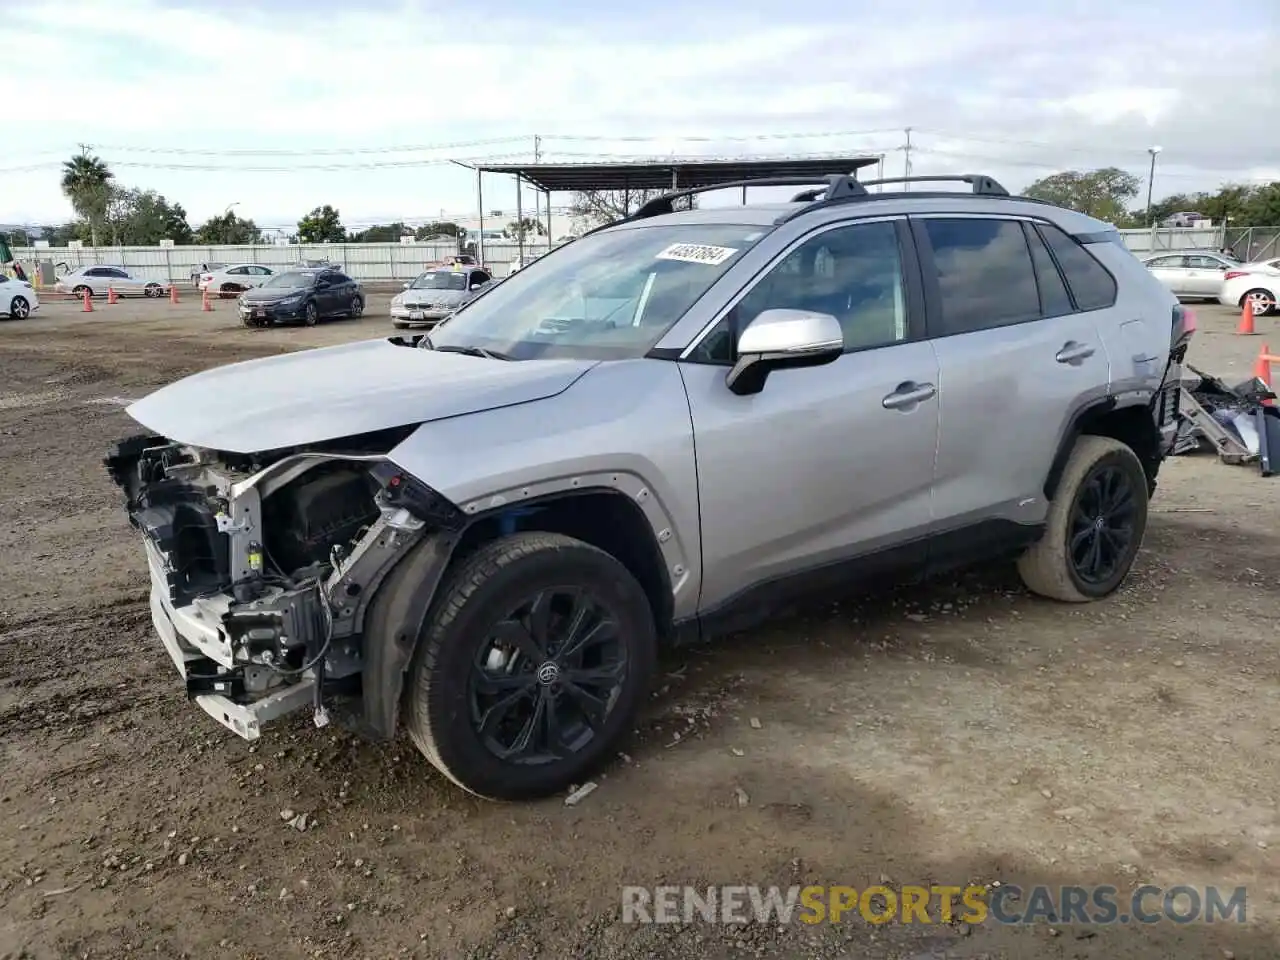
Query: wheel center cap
549	673
1100	523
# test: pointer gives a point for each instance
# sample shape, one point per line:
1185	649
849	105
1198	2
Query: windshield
290	281
440	280
609	295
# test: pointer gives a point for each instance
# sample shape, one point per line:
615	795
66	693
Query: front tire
532	667
79	292
357	307
1260	301
19	309
310	316
1095	527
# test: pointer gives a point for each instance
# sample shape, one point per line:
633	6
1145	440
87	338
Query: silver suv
656	433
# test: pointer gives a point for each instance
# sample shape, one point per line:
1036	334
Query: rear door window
984	273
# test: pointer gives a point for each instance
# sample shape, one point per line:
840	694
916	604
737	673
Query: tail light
1232	274
1183	327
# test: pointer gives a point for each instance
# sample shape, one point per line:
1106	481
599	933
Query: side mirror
405	285
783	340
475	287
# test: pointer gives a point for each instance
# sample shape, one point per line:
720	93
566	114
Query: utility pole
537	198
906	158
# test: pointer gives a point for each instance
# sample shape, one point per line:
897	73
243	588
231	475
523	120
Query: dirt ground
965	732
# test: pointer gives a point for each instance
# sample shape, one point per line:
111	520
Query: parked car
198	271
98	280
435	294
1260	266
306	296
18	298
1191	274
672	427
236	278
314	264
1259	288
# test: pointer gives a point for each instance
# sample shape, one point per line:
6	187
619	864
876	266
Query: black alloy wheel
1102	524
549	673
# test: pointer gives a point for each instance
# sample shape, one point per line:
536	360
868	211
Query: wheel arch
399	612
1131	424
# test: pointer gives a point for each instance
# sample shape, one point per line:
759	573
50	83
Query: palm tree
87	183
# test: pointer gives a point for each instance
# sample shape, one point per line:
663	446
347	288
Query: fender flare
1067	441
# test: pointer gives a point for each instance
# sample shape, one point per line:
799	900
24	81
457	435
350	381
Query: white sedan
18	299
1260	288
98	281
235	278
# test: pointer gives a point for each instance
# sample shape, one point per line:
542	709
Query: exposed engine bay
263	566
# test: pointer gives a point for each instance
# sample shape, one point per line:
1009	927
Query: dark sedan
306	296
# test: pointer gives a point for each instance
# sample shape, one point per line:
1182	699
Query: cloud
1015	90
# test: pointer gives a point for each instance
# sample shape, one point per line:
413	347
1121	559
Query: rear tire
152	290
357	307
1095	526
535	636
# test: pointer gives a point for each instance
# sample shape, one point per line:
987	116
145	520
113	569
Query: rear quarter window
1091	284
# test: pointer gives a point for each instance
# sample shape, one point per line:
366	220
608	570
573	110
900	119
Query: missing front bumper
243	719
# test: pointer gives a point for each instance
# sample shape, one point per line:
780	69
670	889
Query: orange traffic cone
1245	327
88	304
204	301
173	292
111	295
1262	368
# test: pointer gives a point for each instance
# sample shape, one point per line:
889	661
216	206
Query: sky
279	107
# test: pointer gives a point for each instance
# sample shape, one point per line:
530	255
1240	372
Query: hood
270	294
434	296
334	392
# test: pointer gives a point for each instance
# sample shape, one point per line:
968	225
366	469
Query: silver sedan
98	280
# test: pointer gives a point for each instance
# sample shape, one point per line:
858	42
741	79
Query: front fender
624	425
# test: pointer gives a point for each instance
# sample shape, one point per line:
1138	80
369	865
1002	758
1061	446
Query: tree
1261	208
151	218
227	230
595	208
525	228
446	229
381	233
87	183
1100	193
321	225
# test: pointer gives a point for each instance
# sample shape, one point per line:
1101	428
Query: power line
333	152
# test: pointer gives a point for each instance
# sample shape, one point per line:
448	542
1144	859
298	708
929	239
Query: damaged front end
263	567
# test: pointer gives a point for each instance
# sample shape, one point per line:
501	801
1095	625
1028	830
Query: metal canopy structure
583	177
549	178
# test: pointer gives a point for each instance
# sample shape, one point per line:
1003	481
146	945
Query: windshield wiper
468	351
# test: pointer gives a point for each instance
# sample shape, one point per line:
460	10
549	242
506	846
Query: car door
1016	359
328	291
125	283
827	467
1171	270
1204	275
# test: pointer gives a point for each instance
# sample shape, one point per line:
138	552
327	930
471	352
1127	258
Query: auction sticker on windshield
697	253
